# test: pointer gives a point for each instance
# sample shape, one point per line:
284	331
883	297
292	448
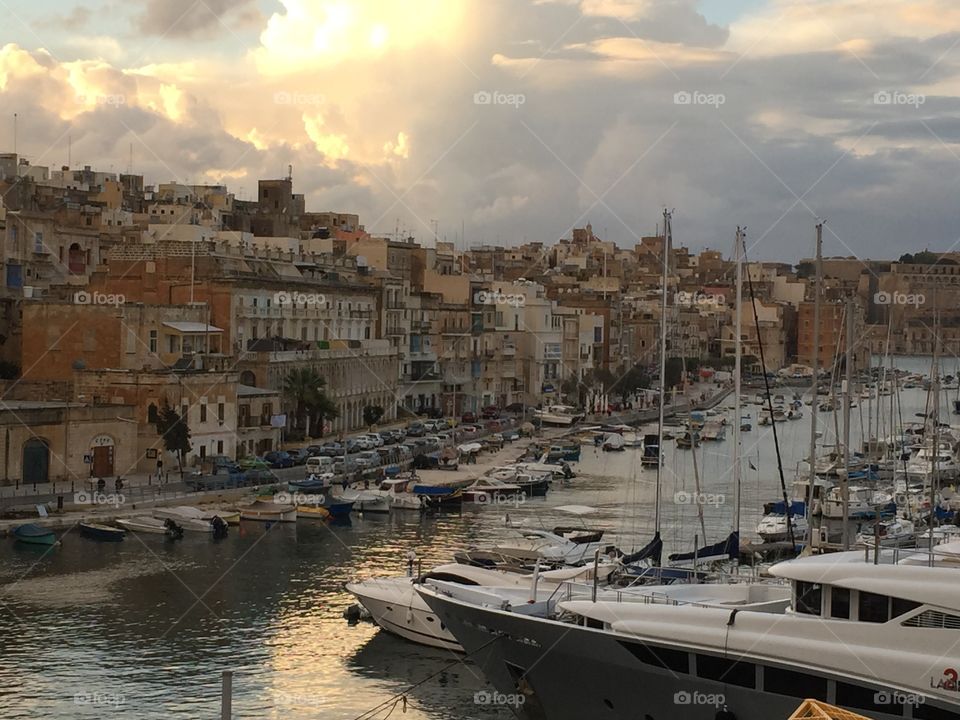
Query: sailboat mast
816	376
738	352
663	356
846	426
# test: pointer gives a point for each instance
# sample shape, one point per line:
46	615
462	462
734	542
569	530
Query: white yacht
863	502
879	639
926	463
563	415
773	528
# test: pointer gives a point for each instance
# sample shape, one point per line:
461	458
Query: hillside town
122	301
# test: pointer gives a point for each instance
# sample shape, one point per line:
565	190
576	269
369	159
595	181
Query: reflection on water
145	627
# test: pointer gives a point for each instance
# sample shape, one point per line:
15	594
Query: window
808	598
152	415
220	412
865	698
874	608
899	606
219	447
840	603
153	341
203	412
796	684
727	670
184	412
676	660
934	619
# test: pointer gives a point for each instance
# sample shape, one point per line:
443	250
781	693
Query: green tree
630	380
175	433
304	387
674	372
372	414
570	389
323	409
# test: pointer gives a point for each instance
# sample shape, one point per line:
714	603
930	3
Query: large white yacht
562	415
882	639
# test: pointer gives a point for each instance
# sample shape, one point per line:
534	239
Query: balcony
509	350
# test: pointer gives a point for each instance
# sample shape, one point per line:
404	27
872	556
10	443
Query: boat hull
401	611
102	532
557	671
34	535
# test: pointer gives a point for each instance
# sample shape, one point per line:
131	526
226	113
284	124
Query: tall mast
738	254
935	475
845	487
663	355
816	376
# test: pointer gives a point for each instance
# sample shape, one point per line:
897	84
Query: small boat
189	518
33	534
651	450
151	525
491	490
338	508
714	430
264	510
364	501
96	531
312	512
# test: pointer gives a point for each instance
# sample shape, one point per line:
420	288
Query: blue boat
337	508
96	531
33	534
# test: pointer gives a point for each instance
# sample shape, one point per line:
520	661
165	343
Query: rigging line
773	422
396	697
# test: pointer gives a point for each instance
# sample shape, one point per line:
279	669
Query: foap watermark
86	297
497	297
682	497
685	697
699	298
895	97
495	97
499	498
109	100
696	97
900	699
94	497
298	498
283	97
299	298
484	697
94	697
899	298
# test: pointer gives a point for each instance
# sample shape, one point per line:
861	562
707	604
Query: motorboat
365	500
33	534
394	604
774	527
651	450
491	490
151	526
632	439
397	491
312	512
863	503
562	415
530	483
689	439
98	531
891	533
828	627
266	511
927	463
194	519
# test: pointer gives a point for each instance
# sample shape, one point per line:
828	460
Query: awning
188	328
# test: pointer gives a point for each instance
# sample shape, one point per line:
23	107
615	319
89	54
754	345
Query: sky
509	121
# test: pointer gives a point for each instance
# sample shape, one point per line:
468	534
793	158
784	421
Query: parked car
445	437
517	408
416	429
490	412
469	417
219	465
375	439
319	464
279	459
300	455
389	437
368	459
253	463
363	442
430	412
331	449
469	430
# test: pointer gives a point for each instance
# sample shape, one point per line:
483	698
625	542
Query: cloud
380	108
193	18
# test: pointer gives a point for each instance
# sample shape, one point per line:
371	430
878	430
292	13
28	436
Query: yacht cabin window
808	597
873	608
840	603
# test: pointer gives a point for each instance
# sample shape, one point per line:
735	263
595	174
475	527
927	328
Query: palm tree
324	409
304	386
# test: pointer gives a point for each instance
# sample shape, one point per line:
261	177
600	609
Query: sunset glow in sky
518	119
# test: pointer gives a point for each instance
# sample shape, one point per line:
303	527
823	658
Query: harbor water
143	628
